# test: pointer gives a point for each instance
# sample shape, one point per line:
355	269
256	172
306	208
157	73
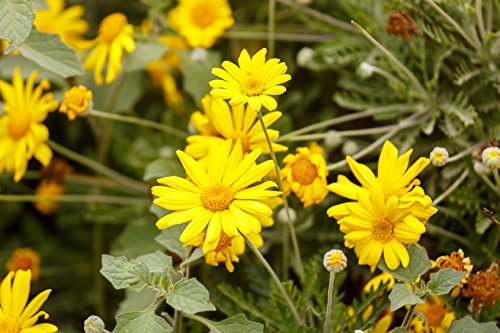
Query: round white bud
439	156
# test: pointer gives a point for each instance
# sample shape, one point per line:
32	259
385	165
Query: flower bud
350	147
491	158
282	215
480	169
199	55
77	101
335	261
365	70
332	139
304	56
94	324
439	156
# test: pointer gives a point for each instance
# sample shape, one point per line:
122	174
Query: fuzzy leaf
157	261
469	325
236	324
123	273
162	167
443	280
401	295
190	296
141	322
16	22
419	264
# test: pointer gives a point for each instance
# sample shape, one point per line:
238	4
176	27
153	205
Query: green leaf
190	296
156	262
123	273
236	324
142	55
469	325
401	295
135	239
162	167
136	300
141	322
196	255
170	239
419	264
442	281
51	53
16	22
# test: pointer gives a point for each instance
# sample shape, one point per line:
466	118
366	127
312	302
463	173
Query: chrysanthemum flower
220	199
24	259
47	188
115	36
16	316
375	226
220	122
253	82
438	316
305	174
201	22
77	101
22	134
67	23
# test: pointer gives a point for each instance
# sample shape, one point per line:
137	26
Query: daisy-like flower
201	22
24	259
67	23
77	101
220	198
115	36
438	316
305	174
220	122
253	82
376	227
335	261
16	316
22	135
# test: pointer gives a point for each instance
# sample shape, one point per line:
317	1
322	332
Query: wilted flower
483	288
335	261
401	24
24	259
77	101
439	156
458	262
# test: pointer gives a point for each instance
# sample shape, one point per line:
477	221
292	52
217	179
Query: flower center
216	198
383	230
252	86
335	259
304	171
493	153
203	14
19	124
244	139
435	315
9	325
112	26
224	242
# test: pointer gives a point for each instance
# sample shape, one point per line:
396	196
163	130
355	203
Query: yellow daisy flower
220	122
77	101
253	82
115	36
375	226
15	315
201	22
67	23
305	174
219	199
22	134
437	315
24	259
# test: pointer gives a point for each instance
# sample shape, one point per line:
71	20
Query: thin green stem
329	303
99	168
497	179
453	23
271	27
489	15
280	36
480	21
409	315
464	153
349	133
438	231
276	280
291	228
489	183
416	83
451	188
139	122
77	198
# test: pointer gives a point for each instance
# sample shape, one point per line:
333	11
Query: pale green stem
451	188
480	21
409	315
497	178
291	228
453	23
140	122
276	280
349	133
76	198
280	36
464	153
329	303
344	119
202	320
489	15
385	74
416	83
99	168
489	183
319	15
271	27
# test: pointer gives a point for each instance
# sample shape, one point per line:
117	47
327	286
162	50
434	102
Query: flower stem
409	315
139	122
281	36
293	235
349	133
271	27
76	198
451	188
329	303
480	21
275	278
464	153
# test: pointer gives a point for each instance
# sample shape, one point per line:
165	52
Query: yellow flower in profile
77	101
220	122
375	227
253	82
67	23
47	206
22	135
438	316
305	174
16	316
220	199
161	72
201	22
378	280
115	36
24	259
227	249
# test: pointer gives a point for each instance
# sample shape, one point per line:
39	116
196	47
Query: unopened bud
439	156
350	147
304	56
199	55
491	158
365	70
94	324
335	261
283	216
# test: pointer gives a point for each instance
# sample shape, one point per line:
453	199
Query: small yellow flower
47	188
67	23
437	315
378	280
335	261
24	259
201	22
22	135
305	174
253	82
220	122
77	101
458	262
115	36
16	316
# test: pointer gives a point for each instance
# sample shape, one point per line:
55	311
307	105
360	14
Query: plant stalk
451	188
329	303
